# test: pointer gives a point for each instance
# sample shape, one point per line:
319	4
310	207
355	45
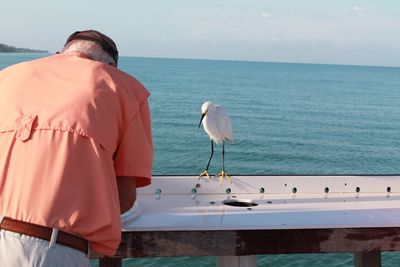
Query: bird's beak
202	117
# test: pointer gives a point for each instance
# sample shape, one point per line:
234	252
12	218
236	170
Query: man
75	143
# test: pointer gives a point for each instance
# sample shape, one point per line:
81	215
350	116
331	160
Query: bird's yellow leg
205	173
223	175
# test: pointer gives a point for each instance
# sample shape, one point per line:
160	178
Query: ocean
287	119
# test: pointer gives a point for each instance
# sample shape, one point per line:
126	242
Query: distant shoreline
12	49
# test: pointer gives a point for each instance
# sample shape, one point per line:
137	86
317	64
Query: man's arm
134	155
126	192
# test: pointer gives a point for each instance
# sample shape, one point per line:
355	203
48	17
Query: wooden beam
253	242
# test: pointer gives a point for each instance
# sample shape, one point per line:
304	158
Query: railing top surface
266	202
276	184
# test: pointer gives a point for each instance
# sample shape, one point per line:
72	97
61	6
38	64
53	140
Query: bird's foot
205	173
223	175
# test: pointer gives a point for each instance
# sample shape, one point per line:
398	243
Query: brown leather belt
44	233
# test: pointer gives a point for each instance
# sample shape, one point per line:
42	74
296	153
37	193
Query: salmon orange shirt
68	126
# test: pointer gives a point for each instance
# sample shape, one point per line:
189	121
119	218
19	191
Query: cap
101	39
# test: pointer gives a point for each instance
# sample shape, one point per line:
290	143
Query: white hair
90	49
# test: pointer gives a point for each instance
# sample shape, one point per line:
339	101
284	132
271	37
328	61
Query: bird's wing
224	123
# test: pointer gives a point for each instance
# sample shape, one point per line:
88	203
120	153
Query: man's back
62	122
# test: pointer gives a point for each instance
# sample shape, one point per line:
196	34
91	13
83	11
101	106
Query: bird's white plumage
216	122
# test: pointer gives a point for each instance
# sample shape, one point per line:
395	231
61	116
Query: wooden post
367	259
110	262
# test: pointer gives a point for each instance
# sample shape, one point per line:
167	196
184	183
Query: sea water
286	118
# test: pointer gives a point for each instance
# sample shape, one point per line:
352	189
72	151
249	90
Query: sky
307	31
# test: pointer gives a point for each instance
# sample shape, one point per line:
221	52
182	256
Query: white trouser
18	250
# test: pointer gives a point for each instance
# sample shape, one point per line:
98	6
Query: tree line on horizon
12	49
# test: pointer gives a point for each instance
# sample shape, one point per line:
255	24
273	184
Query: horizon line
264	61
233	60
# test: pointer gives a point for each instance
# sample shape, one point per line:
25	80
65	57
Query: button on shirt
68	126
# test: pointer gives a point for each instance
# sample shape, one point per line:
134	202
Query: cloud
224	16
361	12
198	35
266	15
148	35
360	9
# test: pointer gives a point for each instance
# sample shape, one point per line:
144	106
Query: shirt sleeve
135	152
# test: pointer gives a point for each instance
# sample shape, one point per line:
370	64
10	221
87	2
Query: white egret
217	125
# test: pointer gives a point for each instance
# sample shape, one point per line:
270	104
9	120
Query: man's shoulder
126	82
20	68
